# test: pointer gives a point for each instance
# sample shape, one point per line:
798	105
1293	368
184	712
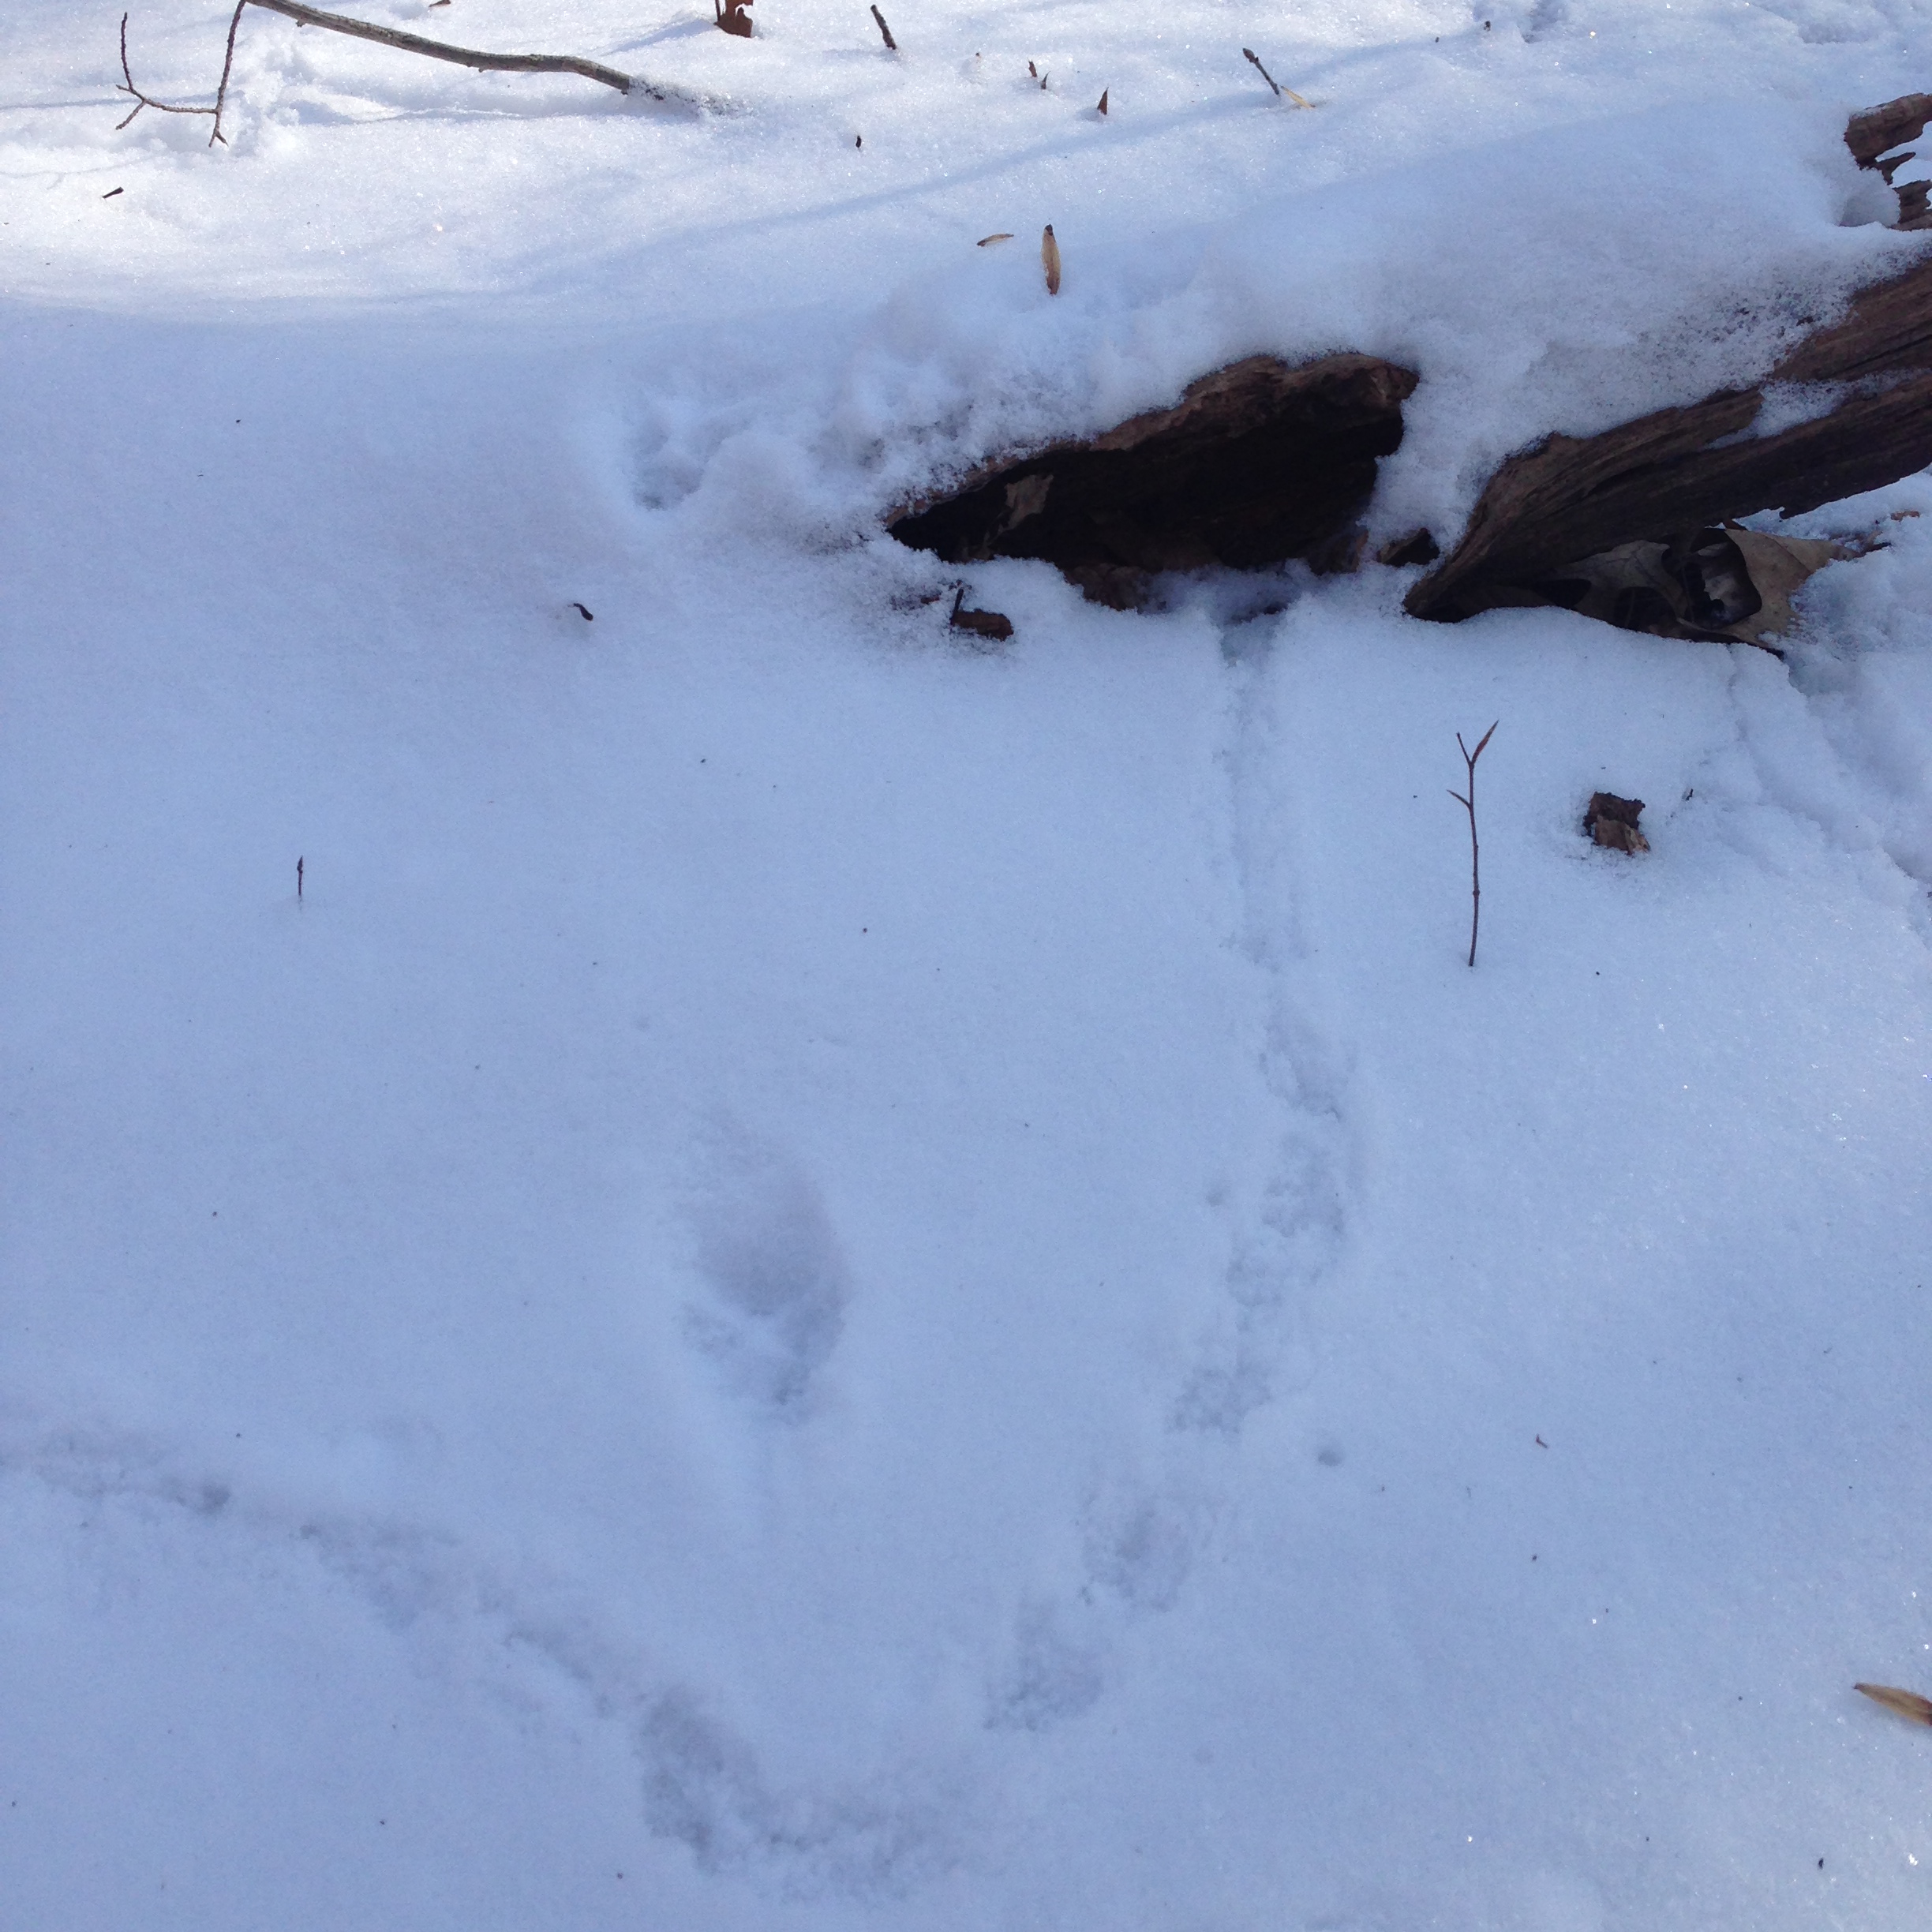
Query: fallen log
1679	475
1262	462
1678	471
1257	463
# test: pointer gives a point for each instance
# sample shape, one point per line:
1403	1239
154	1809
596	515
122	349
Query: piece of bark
1611	822
1692	467
986	623
1257	463
1879	130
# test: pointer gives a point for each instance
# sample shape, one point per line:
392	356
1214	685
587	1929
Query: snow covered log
1257	463
1862	420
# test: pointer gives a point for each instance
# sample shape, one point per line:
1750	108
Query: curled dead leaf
987	240
1049	259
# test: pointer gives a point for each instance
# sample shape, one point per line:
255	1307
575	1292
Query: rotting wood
1877	130
1258	463
1875	134
1696	466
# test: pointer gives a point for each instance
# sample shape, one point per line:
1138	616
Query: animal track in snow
1052	1675
775	1280
701	1784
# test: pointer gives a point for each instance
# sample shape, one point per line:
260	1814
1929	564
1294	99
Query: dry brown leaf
1104	92
1906	1703
1049	259
987	240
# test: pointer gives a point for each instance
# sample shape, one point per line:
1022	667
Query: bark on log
1879	130
1257	463
1684	468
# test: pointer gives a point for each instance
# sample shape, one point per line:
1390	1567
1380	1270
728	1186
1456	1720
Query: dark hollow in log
1257	463
1697	466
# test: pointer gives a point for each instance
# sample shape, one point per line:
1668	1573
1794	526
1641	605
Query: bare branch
407	43
441	49
892	46
1468	805
142	100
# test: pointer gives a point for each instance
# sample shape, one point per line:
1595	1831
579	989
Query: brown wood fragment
1906	1703
1611	822
986	623
1257	463
1879	130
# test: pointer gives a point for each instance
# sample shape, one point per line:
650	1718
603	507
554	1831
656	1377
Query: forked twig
1468	805
143	100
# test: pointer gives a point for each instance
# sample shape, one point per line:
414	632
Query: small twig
1279	90
142	100
892	46
1468	805
299	881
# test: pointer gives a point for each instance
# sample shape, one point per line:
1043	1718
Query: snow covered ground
828	1280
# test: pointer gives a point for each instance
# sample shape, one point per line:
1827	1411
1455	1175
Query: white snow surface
825	1281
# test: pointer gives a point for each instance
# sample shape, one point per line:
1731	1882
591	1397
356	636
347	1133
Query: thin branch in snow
1280	91
407	43
1468	805
892	46
142	100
